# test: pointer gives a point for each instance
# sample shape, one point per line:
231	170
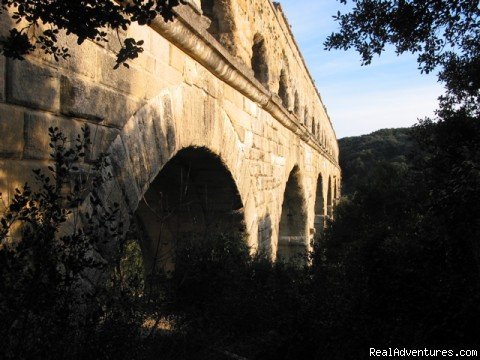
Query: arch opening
222	24
329	198
283	89
319	209
306	118
296	105
193	198
265	236
260	60
292	237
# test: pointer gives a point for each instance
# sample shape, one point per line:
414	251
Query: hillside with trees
360	154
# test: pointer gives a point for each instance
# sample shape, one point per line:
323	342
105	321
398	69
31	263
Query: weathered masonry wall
225	77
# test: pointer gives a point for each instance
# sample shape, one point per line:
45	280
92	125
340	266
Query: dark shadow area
296	105
292	239
222	24
260	60
306	118
329	198
319	220
192	198
283	89
265	236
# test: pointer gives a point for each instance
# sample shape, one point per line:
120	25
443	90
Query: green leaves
86	19
43	296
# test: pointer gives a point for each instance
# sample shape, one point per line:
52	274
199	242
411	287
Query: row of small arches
222	27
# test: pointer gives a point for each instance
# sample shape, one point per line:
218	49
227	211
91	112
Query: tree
444	33
43	20
413	244
360	154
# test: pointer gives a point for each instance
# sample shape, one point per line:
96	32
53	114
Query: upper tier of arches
257	33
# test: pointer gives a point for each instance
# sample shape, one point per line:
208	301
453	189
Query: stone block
177	58
190	73
14	174
159	48
250	107
33	85
102	138
90	101
36	135
11	128
83	59
121	79
122	170
140	32
166	75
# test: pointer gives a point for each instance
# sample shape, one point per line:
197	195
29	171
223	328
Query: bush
53	304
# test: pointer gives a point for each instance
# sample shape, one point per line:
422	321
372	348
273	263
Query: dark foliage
402	255
228	302
59	296
397	268
42	22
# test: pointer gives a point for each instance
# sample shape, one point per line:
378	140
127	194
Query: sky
391	92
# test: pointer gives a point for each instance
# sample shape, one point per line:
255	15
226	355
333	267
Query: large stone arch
292	227
193	199
178	118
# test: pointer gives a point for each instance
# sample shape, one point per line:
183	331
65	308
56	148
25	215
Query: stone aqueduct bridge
218	125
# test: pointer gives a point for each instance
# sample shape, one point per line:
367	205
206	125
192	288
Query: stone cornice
189	33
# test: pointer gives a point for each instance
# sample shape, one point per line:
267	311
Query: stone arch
265	231
178	118
260	60
283	89
222	22
329	198
319	208
306	118
296	105
193	198
292	235
336	191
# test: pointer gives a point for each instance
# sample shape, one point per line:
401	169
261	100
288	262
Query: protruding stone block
89	101
33	85
177	58
14	174
11	130
37	139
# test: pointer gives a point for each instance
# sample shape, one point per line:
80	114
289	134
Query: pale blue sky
389	93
